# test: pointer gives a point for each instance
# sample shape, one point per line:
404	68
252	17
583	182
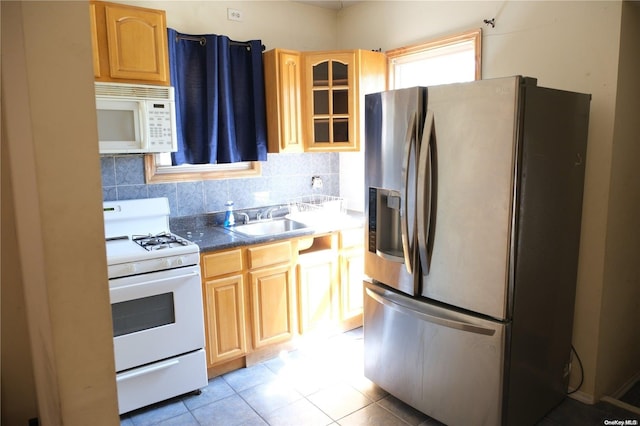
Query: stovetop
138	239
135	247
163	240
127	257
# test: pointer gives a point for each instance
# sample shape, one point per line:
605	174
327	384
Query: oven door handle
147	370
158	281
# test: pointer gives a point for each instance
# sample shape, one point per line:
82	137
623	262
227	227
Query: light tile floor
320	383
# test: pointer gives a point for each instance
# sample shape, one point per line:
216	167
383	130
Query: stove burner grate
158	241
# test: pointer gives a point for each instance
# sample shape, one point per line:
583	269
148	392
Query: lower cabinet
329	274
271	305
226	324
351	273
271	295
257	297
249	299
224	299
317	274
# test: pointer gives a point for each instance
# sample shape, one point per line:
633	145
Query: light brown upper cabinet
330	101
129	44
282	74
314	98
334	85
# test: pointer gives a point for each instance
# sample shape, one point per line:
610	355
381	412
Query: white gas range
156	303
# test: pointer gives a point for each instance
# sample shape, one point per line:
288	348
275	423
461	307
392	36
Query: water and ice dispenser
385	227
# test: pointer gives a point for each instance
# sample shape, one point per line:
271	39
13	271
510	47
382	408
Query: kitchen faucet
244	216
268	212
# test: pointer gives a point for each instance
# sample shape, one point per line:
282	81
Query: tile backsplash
284	176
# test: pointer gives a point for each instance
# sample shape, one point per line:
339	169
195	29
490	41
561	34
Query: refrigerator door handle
407	247
425	192
445	322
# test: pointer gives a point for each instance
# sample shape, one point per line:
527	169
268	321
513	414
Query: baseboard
621	404
583	397
626	386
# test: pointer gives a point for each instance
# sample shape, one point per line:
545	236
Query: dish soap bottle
229	220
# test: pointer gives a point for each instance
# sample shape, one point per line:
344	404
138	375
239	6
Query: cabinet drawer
225	262
351	237
269	254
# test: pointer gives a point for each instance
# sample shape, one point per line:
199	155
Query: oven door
156	316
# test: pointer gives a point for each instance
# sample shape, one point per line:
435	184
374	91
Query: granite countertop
205	231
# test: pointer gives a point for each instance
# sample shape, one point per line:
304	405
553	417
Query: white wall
282	24
574	46
619	345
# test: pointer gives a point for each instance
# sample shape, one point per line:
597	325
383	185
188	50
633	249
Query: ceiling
330	4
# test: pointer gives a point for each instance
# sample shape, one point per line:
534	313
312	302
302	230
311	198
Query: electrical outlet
316	182
234	15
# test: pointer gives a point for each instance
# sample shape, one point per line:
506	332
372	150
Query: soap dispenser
229	219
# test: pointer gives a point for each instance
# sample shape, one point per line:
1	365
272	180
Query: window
219	129
449	59
158	168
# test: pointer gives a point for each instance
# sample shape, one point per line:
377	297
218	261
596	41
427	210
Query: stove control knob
166	263
132	268
180	261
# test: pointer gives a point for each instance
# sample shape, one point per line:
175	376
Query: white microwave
135	118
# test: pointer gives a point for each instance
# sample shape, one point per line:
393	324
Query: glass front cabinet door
330	99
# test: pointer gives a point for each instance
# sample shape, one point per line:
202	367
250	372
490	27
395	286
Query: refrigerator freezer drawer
446	364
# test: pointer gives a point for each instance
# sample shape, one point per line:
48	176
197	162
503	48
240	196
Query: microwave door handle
143	125
407	246
425	192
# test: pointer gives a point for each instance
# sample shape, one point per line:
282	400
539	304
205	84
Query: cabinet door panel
137	43
353	237
269	254
271	305
94	40
331	92
222	263
317	293
225	318
283	85
352	273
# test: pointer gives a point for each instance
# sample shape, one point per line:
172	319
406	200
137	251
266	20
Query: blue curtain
220	105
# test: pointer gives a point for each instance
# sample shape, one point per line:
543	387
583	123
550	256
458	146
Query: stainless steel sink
268	227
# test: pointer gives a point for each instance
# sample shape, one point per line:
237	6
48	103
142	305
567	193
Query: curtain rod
203	41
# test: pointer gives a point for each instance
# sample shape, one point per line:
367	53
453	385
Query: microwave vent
137	91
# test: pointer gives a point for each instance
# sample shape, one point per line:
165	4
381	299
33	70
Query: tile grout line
349	384
251	406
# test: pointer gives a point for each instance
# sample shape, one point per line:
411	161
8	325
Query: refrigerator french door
474	200
442	362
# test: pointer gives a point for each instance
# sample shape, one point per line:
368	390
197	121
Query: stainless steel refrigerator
473	206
